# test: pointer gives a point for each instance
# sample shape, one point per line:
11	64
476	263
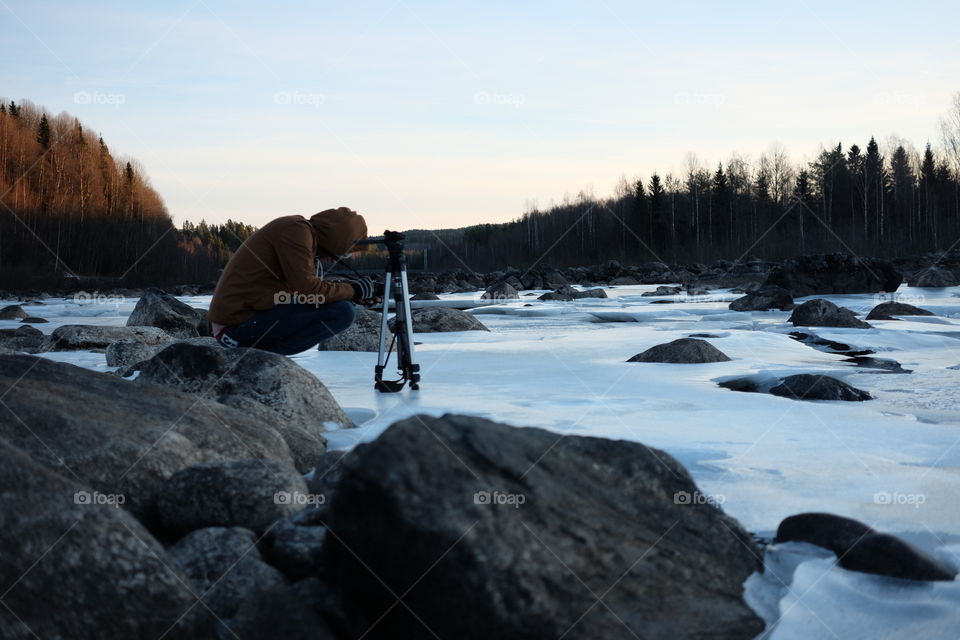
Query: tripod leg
382	354
411	369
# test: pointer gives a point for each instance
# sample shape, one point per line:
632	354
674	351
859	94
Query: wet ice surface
893	462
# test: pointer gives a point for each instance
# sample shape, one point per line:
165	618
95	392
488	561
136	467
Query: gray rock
260	383
13	312
567	293
485	543
806	386
764	298
823	313
25	339
500	291
682	351
887	311
293	548
233	493
425	295
362	335
160	309
624	281
125	353
34	320
64	544
72	337
119	437
861	548
225	567
663	290
438	319
934	277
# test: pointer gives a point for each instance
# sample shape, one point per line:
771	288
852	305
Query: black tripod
395	286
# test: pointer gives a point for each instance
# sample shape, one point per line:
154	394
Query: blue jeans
291	328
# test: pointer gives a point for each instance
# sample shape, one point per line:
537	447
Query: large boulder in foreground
157	308
72	337
439	319
127	354
823	313
888	311
362	335
492	531
861	548
834	274
62	544
682	351
116	436
260	383
808	386
234	493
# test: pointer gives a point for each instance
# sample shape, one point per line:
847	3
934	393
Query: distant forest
71	212
856	199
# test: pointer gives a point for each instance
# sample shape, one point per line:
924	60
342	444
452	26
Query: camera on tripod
395	286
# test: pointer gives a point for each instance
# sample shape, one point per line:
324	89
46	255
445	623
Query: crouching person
270	296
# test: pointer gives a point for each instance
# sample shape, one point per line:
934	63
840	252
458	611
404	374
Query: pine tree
43	132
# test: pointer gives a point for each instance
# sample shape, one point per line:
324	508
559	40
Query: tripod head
389	238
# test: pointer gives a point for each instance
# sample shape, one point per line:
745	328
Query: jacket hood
338	229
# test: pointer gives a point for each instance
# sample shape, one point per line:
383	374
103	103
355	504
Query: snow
893	462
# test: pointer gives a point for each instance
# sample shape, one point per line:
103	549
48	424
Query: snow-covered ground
893	462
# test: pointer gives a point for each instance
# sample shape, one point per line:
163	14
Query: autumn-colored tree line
70	209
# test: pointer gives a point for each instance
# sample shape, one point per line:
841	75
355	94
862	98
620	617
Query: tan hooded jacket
279	258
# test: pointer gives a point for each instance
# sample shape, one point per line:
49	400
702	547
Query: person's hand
362	288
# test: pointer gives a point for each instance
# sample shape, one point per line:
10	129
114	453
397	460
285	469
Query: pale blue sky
441	114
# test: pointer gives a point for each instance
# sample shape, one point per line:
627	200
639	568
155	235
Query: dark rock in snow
861	548
71	337
119	437
425	295
883	364
835	274
567	293
439	319
934	277
76	566
806	386
34	320
260	383
763	298
235	493
25	339
682	351
886	311
126	353
484	543
225	567
158	308
500	291
13	312
663	290
823	313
